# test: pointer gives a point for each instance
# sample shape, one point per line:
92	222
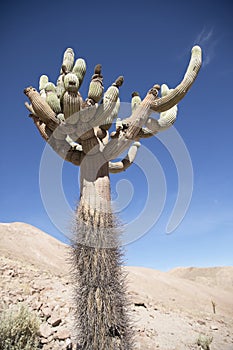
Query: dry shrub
19	329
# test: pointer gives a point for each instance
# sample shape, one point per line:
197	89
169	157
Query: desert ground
169	310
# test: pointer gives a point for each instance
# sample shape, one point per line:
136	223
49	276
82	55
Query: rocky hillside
170	311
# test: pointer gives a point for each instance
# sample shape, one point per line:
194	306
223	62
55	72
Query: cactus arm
43	81
41	108
66	148
151	103
164	103
116	147
165	121
108	109
140	114
80	69
112	115
95	88
60	88
117	167
136	131
68	60
51	98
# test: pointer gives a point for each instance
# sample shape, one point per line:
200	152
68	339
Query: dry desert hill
170	310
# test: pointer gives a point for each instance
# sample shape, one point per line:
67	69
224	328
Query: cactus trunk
102	321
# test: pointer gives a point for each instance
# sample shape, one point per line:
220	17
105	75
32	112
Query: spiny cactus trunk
100	300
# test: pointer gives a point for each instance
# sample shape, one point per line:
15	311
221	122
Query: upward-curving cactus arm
175	96
152	103
117	167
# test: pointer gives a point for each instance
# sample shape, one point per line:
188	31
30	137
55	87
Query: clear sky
148	43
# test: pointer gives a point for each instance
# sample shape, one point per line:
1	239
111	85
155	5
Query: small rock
63	333
214	327
139	304
46	311
54	320
37	305
45	330
202	323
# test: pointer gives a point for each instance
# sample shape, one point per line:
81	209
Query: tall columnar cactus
78	130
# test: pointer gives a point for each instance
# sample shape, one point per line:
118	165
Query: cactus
78	132
168	117
95	90
71	98
43	111
71	104
108	97
43	81
109	108
68	60
71	82
96	87
51	98
80	69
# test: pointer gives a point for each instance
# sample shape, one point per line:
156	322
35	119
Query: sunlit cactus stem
52	98
68	60
89	133
80	69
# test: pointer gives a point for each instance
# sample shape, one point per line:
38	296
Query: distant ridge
27	243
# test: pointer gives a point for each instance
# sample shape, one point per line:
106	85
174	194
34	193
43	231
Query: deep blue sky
148	43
